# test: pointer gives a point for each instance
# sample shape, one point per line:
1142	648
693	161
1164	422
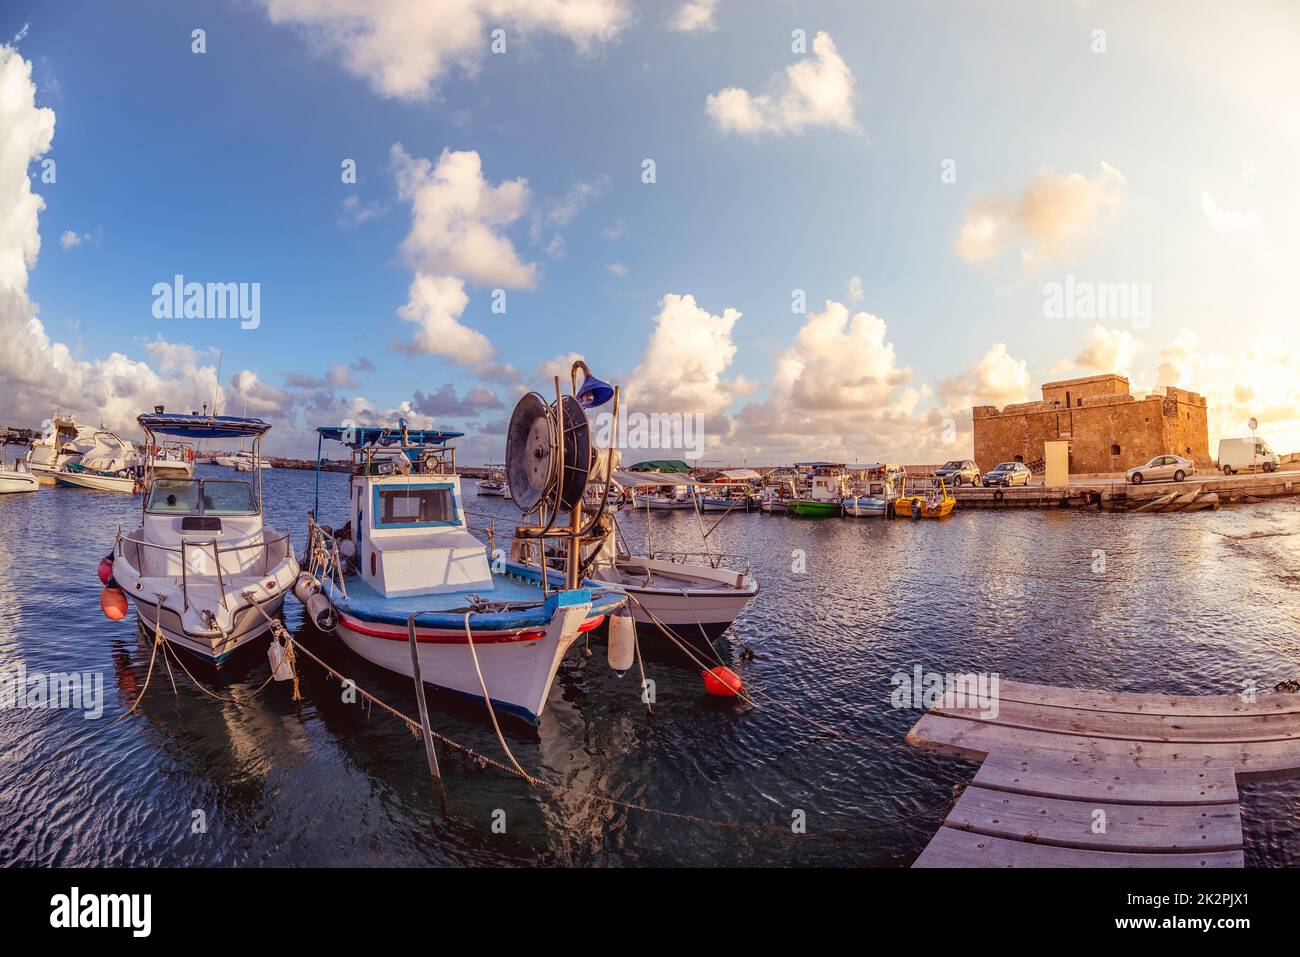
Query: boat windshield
200	497
173	497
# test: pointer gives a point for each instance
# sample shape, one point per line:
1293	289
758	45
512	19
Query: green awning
675	466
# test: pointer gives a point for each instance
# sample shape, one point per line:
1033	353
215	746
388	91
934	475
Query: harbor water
1181	603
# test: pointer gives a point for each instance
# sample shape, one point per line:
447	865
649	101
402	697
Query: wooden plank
953	848
1134	727
1085	780
1142	703
974	740
1075	824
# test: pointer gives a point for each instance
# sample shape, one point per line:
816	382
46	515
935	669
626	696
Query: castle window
1114	450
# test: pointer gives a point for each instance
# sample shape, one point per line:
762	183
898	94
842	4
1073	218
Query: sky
822	229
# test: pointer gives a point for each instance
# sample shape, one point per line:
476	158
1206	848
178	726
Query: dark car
958	472
1008	474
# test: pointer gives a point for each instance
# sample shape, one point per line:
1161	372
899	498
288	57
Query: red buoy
105	569
112	602
722	682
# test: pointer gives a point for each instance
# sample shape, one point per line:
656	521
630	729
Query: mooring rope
492	712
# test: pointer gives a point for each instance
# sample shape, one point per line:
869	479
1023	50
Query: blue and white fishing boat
404	573
201	566
875	487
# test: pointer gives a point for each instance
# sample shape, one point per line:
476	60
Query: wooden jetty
1074	778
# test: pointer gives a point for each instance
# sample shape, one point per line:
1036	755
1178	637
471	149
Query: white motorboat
63	443
418	587
246	462
201	563
494	483
112	464
665	498
173	460
17	479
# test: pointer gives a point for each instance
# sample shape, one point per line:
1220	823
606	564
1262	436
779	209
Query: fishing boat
925	498
17	479
404	581
202	567
665	497
824	495
247	461
112	464
494	483
63	443
874	488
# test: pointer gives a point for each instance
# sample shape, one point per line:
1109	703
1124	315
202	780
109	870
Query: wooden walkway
1105	779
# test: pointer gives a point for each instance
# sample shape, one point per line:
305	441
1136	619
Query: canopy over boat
202	426
630	478
738	475
357	437
676	466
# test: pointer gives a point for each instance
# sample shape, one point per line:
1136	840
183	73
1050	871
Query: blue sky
1182	135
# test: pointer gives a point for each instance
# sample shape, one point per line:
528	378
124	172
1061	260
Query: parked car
1246	455
959	472
1162	468
1008	474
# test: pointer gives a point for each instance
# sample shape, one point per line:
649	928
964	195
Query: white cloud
1108	350
683	366
996	378
1049	217
71	239
434	306
855	289
693	16
456	218
403	48
28	133
1223	220
817	91
618	269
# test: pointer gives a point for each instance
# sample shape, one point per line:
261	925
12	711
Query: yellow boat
932	501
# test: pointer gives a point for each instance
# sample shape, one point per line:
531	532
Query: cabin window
414	505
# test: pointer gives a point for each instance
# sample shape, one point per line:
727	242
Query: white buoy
320	611
280	669
622	640
304	586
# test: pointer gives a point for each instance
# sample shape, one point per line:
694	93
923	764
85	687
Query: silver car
1162	468
1008	474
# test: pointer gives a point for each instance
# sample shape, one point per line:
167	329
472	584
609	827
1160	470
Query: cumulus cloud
434	306
1046	220
445	402
457	218
694	16
1108	350
336	376
684	364
855	289
996	378
402	49
815	92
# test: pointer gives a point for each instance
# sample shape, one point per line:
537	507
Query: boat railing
712	559
324	557
279	542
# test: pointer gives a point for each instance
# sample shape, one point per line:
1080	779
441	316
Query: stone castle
1107	429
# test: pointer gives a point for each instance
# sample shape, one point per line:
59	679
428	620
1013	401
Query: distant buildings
1108	429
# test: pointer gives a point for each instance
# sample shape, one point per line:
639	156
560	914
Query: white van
1246	455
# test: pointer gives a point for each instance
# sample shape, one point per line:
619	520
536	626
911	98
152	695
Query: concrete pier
1208	490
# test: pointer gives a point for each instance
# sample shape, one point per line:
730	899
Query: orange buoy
112	602
722	682
105	569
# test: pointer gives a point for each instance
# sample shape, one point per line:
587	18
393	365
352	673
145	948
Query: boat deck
1074	778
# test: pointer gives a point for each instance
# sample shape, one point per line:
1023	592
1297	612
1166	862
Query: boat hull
248	625
864	507
97	483
919	508
518	664
18	482
811	509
